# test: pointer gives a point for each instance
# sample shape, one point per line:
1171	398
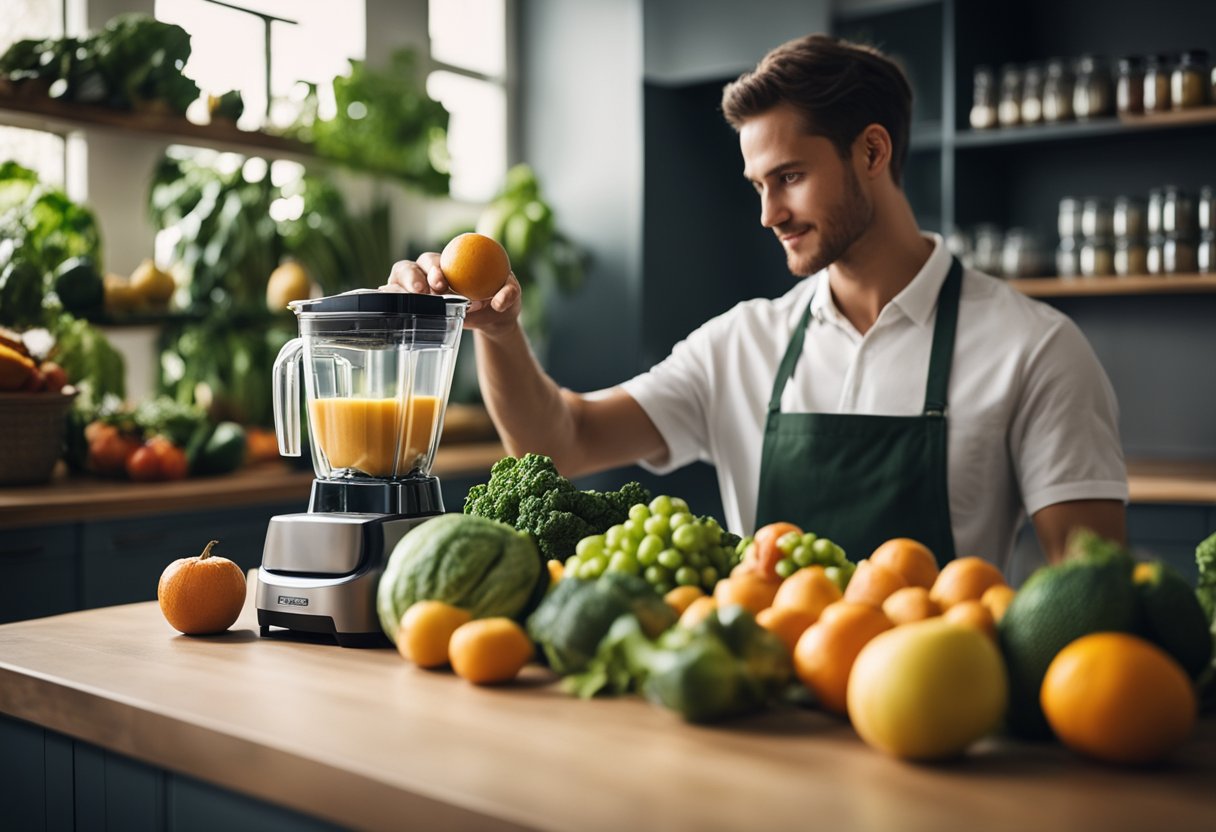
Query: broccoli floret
511	480
1205	559
529	494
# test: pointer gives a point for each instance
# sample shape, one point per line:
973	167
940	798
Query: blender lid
374	302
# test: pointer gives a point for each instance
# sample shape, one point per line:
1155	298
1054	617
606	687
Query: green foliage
529	494
134	60
89	360
1205	559
385	123
40	225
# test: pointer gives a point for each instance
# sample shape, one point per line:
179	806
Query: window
470	79
41	152
310	40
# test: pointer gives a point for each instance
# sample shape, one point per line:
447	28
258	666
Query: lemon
927	690
288	282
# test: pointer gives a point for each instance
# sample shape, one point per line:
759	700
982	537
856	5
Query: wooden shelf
41	113
1064	287
1067	131
72	498
1171	481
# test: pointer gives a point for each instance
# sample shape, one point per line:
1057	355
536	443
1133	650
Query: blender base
323	625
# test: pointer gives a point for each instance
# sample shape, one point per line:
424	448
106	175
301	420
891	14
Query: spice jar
1152	217
1020	254
1157	84
1205	256
1153	260
1178	213
1097	258
983	99
1057	92
1127	218
1129	88
1178	256
1131	257
1091	96
988	245
1009	109
1068	223
1095	218
1206	209
1032	94
1068	262
1189	81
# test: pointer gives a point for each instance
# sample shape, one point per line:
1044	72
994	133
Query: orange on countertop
824	654
201	594
908	558
808	590
964	579
1118	698
489	650
872	583
912	603
426	631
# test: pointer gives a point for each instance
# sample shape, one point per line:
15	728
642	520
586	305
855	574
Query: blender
377	368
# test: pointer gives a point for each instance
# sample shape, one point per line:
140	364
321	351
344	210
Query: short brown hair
839	87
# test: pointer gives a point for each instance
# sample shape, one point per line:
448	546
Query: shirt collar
917	300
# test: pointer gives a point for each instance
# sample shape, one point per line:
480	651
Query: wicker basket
31	435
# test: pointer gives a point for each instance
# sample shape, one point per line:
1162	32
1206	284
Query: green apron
862	479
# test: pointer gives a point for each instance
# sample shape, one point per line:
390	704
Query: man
892	393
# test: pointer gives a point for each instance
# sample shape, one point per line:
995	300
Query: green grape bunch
664	543
809	549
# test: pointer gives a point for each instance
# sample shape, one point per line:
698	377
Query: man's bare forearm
529	409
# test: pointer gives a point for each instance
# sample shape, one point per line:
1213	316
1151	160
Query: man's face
809	196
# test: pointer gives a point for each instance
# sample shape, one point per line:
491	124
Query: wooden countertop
73	498
361	738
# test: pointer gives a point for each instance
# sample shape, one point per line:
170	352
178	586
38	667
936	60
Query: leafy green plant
385	123
40	225
135	60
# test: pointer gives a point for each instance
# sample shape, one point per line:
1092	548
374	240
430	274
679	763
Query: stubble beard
846	222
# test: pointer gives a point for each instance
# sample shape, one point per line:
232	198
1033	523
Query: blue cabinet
38	573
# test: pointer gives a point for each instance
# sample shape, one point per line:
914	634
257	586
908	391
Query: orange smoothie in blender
363	434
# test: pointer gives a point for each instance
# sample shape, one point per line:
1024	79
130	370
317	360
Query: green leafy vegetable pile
529	494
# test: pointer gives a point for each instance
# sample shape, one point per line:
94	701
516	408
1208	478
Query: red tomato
764	547
172	459
109	450
144	465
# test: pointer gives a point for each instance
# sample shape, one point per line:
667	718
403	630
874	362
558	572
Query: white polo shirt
1031	416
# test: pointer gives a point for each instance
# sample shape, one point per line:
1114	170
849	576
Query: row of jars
1171	232
1063	90
1013	252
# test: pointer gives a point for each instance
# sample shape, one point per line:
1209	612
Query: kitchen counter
68	498
363	739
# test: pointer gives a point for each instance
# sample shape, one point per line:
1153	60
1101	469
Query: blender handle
287	397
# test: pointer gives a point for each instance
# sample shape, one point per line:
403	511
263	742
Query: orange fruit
426	630
972	614
475	265
824	654
808	590
749	590
489	650
964	579
697	611
764	552
996	599
680	597
786	623
911	603
201	594
908	558
1118	698
872	583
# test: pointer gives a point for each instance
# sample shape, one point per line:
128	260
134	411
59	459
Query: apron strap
942	356
790	359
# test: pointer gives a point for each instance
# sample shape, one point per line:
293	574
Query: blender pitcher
377	369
